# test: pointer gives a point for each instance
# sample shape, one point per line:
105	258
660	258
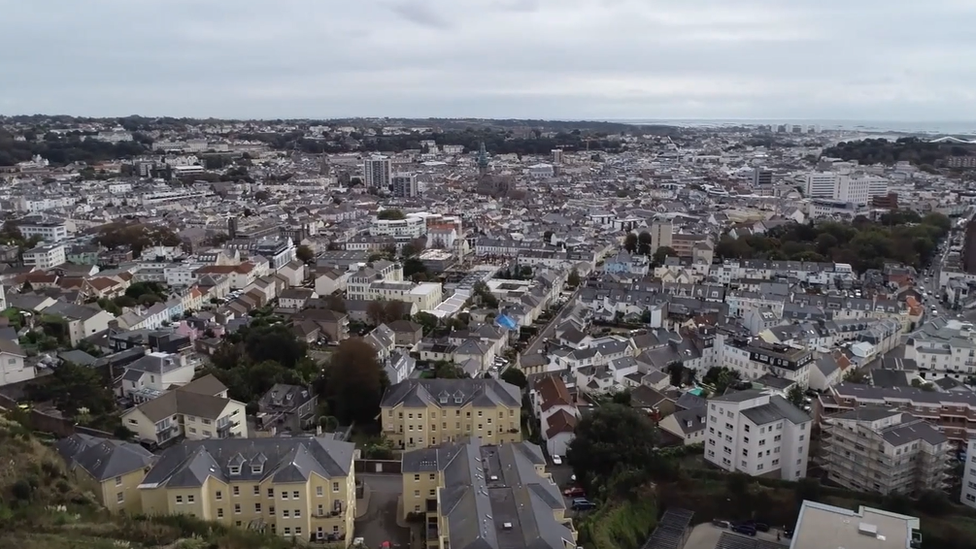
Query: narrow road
539	342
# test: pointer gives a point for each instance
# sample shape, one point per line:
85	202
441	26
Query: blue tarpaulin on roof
506	322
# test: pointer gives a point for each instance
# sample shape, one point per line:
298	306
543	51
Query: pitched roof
560	422
283	459
553	392
197	398
419	393
103	458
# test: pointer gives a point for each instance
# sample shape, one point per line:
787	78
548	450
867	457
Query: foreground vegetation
616	459
42	506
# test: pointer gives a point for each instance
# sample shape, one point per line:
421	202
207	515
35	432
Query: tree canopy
901	236
135	237
304	253
610	441
353	382
882	151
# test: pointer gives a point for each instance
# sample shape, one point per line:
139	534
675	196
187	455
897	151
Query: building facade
296	487
420	413
757	434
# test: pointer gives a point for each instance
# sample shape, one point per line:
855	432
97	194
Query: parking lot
706	536
379	524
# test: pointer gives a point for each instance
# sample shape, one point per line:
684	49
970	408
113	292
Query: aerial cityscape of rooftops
486	334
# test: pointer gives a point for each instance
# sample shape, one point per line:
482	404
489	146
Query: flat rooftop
829	527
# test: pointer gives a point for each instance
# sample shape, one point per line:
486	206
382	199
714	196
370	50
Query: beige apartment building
296	487
419	413
886	451
111	469
474	496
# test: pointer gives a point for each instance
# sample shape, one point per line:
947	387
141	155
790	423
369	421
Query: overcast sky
570	59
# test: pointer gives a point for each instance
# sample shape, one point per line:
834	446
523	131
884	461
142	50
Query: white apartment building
757	434
377	172
49	232
404	230
754	358
45	256
943	348
856	188
968	495
883	450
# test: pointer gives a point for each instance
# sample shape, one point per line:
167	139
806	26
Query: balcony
224	431
431	505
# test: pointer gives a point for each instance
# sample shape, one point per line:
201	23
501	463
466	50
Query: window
118	481
256	469
257	490
433	476
193	430
207	422
120	497
298	530
433	493
218	495
284	495
257	507
416	493
237	508
179	499
777	437
298	513
234	469
745	440
479	413
335	486
745	452
801	437
238	524
271	510
285	513
416	478
320	510
775	462
759	467
189	498
294	495
237	490
287	531
318	491
220	512
746	428
271	493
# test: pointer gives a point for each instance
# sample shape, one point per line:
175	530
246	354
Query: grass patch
620	525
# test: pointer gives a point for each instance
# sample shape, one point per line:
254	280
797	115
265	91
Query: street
539	342
379	524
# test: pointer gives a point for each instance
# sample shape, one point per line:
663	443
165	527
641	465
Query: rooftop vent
866	529
493	477
507	525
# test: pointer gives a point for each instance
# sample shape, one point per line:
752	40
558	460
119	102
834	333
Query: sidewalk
362	504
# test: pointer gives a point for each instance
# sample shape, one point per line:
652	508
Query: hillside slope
43	507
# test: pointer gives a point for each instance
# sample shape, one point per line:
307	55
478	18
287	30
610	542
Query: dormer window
257	468
457	400
443	400
235	469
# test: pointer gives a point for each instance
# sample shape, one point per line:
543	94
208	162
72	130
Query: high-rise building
557	157
876	449
761	177
377	172
758	434
661	235
405	185
821	184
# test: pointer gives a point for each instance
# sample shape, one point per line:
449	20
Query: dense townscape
467	334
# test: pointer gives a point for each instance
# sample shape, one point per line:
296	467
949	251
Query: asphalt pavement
539	342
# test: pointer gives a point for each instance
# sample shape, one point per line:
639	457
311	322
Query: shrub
22	490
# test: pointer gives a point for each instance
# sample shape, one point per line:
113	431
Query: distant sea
871	126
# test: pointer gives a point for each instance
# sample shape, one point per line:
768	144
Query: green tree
644	240
573	280
427	321
304	253
795	395
630	242
515	377
612	438
663	253
353	382
391	215
72	387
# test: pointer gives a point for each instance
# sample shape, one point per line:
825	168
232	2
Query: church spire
482	160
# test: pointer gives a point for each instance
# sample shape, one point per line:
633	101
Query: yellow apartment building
296	487
420	413
475	496
112	469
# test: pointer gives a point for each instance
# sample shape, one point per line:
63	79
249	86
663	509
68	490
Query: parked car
744	529
720	523
574	492
582	504
759	526
556	460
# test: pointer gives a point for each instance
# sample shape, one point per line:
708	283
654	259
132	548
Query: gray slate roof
103	458
419	393
777	409
283	459
486	487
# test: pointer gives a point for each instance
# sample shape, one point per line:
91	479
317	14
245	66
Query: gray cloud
864	59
